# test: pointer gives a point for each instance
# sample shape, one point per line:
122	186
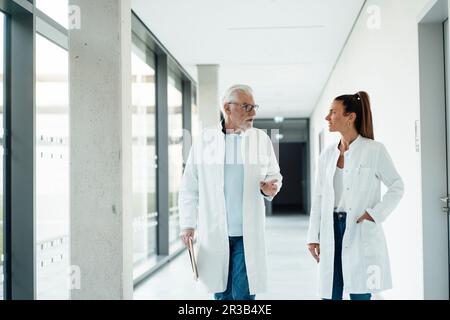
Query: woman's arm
387	173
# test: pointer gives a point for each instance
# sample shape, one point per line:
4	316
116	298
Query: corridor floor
292	271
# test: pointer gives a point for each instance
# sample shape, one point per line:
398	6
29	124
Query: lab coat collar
354	145
221	127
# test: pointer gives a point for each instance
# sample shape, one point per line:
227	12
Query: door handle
446	207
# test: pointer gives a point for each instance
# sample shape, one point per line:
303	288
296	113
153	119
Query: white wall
384	62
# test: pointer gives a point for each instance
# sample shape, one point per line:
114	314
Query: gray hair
232	93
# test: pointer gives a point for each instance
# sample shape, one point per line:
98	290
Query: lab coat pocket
365	178
370	238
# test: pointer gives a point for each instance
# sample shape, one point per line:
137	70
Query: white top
234	183
338	184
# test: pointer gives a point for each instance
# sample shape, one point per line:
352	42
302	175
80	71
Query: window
58	10
175	127
52	170
145	214
2	75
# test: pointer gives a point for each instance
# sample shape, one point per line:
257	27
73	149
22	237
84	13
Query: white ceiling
284	49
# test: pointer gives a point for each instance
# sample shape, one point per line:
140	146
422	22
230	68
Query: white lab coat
365	260
202	205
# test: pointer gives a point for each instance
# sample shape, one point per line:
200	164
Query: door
445	199
292	196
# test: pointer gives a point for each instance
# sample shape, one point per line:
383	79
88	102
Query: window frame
165	64
22	22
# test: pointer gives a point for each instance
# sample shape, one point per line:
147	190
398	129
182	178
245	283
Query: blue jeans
237	285
338	280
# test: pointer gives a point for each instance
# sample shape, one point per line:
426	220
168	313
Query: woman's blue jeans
338	280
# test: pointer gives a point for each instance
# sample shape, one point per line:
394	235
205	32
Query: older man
229	172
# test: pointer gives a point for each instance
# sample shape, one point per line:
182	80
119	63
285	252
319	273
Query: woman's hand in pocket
365	216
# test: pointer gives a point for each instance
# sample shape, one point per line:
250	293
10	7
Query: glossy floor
292	272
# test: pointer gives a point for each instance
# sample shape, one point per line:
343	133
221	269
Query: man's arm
273	180
188	198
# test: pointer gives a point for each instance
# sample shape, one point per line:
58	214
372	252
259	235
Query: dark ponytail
359	103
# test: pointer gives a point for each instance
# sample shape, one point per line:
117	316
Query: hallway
292	272
127	123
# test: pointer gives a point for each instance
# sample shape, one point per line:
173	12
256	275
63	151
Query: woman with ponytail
345	234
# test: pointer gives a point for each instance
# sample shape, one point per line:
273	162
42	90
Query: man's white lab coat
202	205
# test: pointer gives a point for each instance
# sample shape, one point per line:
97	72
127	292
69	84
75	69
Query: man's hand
186	234
314	248
269	188
365	216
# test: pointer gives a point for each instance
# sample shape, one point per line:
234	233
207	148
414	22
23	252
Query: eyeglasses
247	107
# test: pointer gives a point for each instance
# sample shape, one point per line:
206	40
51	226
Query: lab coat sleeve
313	234
273	171
188	195
386	172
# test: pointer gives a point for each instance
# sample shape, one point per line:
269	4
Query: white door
445	199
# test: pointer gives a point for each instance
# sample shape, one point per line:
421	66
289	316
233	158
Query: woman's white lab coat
202	205
365	261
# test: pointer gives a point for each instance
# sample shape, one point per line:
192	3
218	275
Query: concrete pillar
208	95
100	148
